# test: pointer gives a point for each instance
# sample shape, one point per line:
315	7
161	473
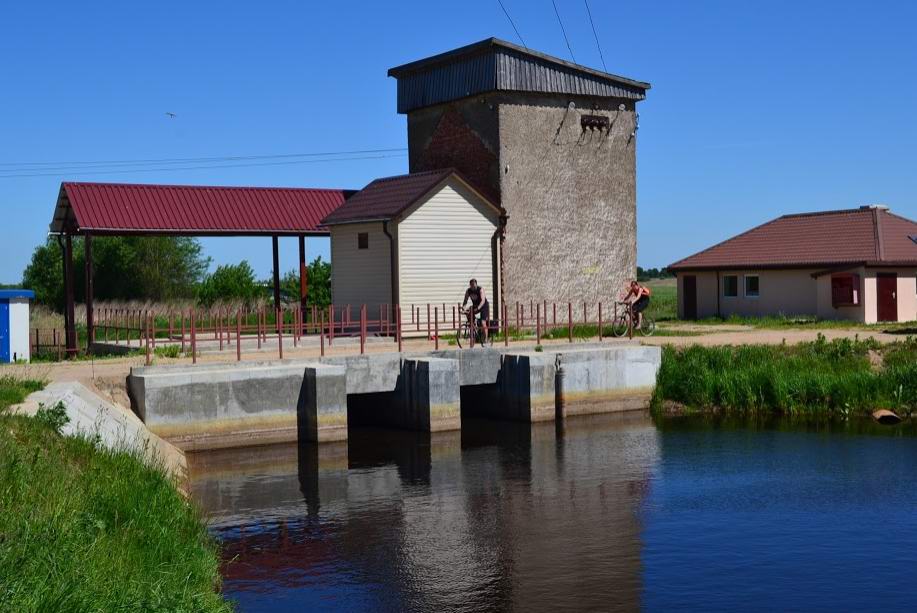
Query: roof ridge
901	217
421	173
830	212
877	225
179	186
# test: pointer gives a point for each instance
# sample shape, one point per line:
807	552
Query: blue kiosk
14	325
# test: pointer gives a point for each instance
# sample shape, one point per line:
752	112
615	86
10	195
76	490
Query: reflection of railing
227	328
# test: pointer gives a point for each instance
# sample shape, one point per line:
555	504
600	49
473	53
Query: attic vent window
594	122
363	240
913	237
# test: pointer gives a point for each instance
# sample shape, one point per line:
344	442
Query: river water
603	513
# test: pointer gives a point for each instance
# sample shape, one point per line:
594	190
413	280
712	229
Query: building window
751	286
730	286
363	240
845	290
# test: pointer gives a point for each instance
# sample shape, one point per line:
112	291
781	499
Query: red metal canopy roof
868	235
118	208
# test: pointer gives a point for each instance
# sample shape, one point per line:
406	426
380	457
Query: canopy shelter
116	209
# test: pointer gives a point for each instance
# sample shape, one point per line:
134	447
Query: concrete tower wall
569	191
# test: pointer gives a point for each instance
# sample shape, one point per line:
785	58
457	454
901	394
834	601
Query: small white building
415	239
855	264
14	325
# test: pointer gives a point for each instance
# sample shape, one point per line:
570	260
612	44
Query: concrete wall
223	405
442	243
361	276
570	194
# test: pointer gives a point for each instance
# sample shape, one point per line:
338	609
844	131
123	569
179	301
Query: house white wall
443	242
361	276
906	294
20	346
788	292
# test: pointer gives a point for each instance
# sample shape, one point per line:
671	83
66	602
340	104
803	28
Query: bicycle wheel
463	335
619	325
648	326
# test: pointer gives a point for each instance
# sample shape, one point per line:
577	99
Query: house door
887	296
689	299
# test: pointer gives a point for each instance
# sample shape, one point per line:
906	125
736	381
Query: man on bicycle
479	303
639	297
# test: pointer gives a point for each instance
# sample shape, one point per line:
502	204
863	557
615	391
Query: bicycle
628	319
471	325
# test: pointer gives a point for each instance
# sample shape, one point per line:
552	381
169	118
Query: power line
505	12
226	158
569	48
107	172
592	23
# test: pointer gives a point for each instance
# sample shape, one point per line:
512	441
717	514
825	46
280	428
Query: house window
730	286
751	286
845	290
363	240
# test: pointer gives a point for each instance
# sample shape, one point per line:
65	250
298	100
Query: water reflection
500	515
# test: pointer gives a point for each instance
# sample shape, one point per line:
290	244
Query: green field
664	299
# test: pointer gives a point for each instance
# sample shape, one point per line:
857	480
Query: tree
126	268
229	282
319	283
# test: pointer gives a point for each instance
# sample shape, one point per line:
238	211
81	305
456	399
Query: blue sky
757	109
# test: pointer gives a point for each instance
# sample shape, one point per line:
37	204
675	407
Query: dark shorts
485	311
641	304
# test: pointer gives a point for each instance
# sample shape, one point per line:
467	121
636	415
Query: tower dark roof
496	65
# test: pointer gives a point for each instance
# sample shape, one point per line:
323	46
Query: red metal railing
221	329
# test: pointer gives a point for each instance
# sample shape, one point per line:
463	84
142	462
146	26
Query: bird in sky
170	115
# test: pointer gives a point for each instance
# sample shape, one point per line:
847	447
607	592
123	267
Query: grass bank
838	378
83	528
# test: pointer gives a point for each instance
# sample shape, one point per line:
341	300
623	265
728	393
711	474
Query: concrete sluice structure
319	400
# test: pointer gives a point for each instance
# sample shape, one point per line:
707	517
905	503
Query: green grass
83	528
819	378
14	390
664	300
806	322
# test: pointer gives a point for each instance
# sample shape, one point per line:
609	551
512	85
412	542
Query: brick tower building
553	142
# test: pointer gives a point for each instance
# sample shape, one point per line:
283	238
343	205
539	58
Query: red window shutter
845	290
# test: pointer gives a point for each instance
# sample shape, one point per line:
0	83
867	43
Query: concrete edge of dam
237	404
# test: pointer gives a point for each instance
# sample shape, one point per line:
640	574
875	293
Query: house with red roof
855	264
415	240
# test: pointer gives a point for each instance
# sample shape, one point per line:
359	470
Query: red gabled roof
387	198
118	208
867	235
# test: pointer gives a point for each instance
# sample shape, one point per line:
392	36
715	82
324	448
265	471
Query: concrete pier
226	405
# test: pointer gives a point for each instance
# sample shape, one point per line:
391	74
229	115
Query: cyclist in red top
639	297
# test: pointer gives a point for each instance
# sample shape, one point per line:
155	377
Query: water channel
602	513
